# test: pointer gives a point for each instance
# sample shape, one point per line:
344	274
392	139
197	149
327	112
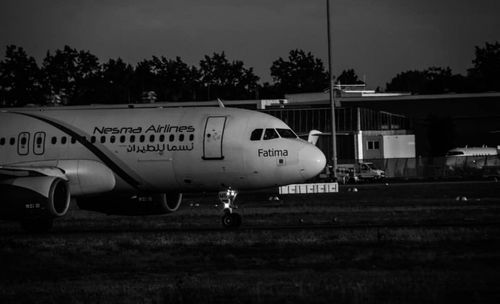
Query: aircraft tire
231	220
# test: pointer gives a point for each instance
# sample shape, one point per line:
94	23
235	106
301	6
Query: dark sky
377	38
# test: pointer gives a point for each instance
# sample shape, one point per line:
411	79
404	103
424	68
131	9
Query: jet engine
34	198
142	204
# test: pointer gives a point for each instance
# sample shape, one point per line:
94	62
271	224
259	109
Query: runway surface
394	243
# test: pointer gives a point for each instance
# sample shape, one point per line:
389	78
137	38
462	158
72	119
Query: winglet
221	105
313	136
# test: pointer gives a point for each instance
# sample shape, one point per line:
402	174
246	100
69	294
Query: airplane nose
312	161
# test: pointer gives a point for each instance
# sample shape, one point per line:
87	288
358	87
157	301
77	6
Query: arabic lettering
160	148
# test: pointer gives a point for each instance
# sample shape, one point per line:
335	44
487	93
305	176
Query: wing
13	172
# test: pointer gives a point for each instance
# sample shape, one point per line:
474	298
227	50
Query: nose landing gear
230	219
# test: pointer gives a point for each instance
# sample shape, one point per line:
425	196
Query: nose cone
312	161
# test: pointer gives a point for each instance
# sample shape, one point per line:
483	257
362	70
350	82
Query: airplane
471	157
140	159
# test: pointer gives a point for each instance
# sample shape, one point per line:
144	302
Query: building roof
453	105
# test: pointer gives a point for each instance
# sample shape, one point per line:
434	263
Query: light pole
332	93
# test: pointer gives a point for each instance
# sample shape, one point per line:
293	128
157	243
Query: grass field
355	255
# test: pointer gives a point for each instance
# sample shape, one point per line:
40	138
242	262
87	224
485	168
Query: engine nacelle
144	204
34	197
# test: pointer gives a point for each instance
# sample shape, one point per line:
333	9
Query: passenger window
2	141
112	139
256	134
132	138
162	138
191	137
103	139
63	140
122	139
142	138
73	140
93	139
171	137
181	137
53	140
270	134
151	138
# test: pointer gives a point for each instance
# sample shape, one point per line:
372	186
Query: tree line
70	76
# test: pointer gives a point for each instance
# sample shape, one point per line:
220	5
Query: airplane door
23	143
213	137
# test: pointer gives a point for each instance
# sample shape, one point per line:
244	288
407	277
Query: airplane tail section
313	136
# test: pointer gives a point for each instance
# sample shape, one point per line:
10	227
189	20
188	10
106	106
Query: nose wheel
230	219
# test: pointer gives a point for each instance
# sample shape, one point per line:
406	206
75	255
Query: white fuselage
155	149
470	157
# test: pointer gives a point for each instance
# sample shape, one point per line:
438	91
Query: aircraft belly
195	173
158	174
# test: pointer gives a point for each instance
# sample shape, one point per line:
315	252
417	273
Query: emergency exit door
213	137
23	140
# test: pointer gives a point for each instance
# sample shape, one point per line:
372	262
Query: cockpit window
454	153
256	134
270	134
286	133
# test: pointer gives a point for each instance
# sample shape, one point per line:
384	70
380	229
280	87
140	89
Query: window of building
373	145
256	134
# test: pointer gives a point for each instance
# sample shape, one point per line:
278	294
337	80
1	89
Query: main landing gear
230	219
